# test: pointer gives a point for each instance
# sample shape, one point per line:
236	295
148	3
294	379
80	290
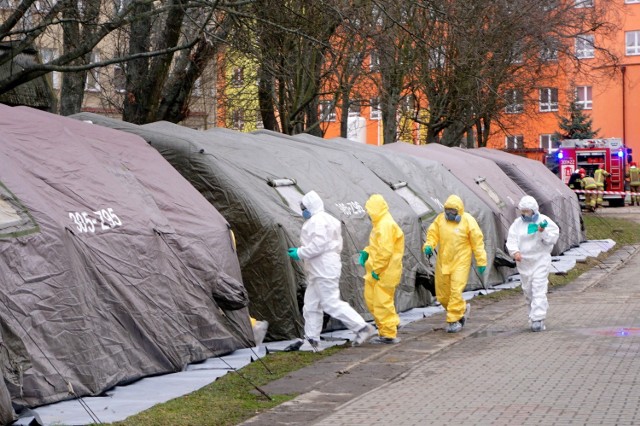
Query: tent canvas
359	179
232	179
480	175
555	199
118	269
432	184
246	178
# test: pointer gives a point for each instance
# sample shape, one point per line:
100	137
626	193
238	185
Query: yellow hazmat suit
385	249
455	241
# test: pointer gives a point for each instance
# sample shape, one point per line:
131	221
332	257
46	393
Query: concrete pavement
584	369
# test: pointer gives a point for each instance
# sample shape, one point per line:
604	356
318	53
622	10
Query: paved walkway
584	369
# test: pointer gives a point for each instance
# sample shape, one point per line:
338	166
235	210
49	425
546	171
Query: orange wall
607	112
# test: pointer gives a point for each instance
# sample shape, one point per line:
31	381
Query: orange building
610	95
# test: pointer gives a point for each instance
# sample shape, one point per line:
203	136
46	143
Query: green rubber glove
293	253
375	276
428	251
363	258
543	225
532	228
481	269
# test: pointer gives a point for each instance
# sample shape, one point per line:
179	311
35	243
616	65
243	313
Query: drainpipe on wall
623	69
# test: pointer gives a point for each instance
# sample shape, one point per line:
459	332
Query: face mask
532	218
452	217
306	214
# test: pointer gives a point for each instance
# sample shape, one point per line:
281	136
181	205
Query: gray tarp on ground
556	199
356	183
116	269
432	183
480	175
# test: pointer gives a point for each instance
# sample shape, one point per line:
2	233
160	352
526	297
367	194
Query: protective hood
454	202
377	207
528	202
313	202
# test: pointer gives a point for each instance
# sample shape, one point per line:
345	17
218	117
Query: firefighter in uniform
633	176
589	184
575	182
600	175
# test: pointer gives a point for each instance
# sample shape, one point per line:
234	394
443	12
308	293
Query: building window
354	108
92	83
515	142
374	60
237	118
197	87
355	60
585	47
49	55
375	112
327	111
632	42
237	78
548	99
583	97
516	53
584	3
514	99
549	51
409	103
119	79
546	142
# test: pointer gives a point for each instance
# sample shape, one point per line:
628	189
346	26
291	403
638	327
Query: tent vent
398	185
281	182
15	220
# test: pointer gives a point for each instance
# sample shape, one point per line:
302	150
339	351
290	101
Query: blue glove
375	276
428	251
363	258
481	269
543	225
293	253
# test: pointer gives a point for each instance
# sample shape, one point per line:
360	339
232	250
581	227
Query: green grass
231	399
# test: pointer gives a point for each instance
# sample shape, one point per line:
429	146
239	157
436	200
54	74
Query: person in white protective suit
321	244
531	238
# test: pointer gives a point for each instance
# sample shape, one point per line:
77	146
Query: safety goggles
451	211
302	207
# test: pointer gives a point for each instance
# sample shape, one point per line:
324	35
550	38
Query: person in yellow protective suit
633	176
600	175
456	235
589	184
382	260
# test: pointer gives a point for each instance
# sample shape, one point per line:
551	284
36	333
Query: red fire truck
588	154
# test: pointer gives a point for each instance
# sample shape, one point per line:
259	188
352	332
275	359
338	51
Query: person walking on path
382	260
530	240
456	235
321	245
633	176
600	176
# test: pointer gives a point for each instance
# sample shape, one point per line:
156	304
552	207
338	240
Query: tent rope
70	389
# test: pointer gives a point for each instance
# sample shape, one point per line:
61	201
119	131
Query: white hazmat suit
531	241
321	244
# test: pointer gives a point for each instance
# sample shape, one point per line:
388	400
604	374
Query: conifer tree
576	126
